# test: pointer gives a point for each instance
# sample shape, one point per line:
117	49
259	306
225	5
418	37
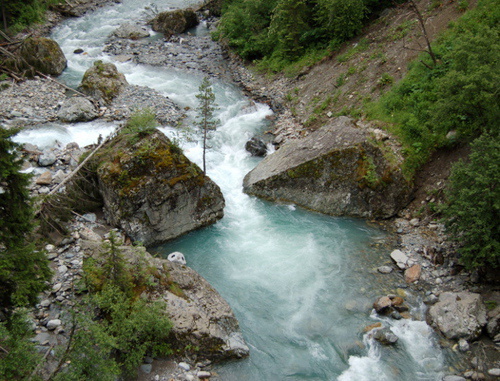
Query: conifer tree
205	117
23	270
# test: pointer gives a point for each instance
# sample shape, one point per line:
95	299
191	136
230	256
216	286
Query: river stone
400	258
77	109
256	147
152	191
174	22
495	372
493	326
131	31
413	273
103	82
44	54
53	324
203	374
385	269
385	336
458	315
454	378
382	304
44	179
46	158
336	170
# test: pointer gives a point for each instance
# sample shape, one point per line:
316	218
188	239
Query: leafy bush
458	95
473	206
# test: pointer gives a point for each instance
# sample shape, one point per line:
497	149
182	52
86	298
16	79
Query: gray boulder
77	109
337	170
174	22
44	54
47	158
131	31
152	191
458	315
385	336
103	82
203	323
493	326
256	147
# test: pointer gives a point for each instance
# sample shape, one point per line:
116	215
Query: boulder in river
77	109
131	31
44	54
152	191
174	22
203	323
103	81
458	315
256	147
338	170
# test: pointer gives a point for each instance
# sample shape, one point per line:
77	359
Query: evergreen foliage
205	117
459	94
23	270
473	207
18	14
280	32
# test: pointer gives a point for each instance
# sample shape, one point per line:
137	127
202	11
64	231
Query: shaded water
300	283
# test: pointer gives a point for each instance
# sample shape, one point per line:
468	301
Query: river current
300	283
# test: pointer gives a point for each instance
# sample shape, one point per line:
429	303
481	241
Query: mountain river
300	283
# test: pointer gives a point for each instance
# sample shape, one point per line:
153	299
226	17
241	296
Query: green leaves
473	205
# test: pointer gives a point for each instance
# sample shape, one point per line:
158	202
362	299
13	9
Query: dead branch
41	362
421	21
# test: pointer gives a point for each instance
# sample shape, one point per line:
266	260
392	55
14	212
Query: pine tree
23	270
205	117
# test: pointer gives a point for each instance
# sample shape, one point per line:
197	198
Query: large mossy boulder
152	191
103	82
203	323
174	22
340	169
44	54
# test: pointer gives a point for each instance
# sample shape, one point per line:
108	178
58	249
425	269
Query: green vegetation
18	14
205	117
279	33
139	125
473	207
454	100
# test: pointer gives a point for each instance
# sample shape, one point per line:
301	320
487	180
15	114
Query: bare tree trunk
424	30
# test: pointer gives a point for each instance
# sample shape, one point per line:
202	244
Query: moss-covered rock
103	81
44	54
152	191
174	22
338	170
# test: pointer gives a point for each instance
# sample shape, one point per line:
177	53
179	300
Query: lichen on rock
103	81
337	170
152	191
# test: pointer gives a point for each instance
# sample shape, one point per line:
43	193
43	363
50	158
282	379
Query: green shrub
473	204
140	124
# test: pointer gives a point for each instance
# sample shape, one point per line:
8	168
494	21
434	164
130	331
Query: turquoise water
301	284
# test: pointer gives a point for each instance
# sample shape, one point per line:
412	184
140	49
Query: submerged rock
256	147
103	81
458	315
152	191
131	31
337	170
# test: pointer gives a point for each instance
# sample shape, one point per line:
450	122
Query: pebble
385	269
184	366
494	372
53	324
203	374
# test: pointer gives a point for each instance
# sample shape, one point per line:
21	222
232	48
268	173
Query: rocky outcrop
458	315
44	55
152	191
174	22
131	31
203	323
77	109
103	82
339	169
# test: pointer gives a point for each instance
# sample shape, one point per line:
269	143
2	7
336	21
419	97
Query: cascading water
300	283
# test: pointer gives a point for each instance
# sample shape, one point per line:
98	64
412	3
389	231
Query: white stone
203	374
400	258
53	324
62	269
494	372
178	257
463	345
385	269
185	366
56	287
